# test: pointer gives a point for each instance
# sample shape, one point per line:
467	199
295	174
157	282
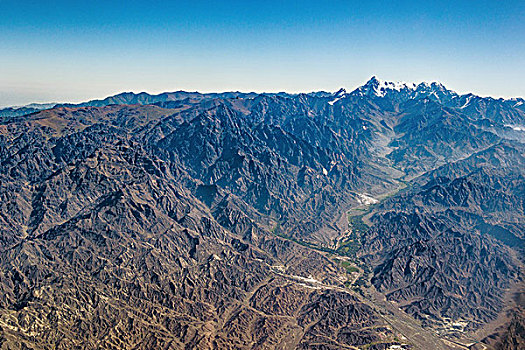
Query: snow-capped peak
381	88
399	91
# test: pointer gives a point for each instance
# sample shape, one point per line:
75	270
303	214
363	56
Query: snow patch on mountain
466	102
516	127
331	103
337	96
365	199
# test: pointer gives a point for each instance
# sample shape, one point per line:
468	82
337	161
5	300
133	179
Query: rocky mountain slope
233	220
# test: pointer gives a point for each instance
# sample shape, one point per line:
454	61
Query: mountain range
388	217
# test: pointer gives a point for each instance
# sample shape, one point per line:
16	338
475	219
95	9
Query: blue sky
79	50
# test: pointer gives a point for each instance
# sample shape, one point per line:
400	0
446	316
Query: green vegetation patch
349	267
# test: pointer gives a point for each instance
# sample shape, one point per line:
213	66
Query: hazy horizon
59	51
348	89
